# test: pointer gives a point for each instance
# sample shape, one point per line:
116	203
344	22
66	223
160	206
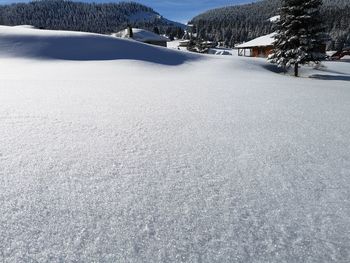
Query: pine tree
299	35
156	30
130	32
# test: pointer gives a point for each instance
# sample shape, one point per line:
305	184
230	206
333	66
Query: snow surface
262	41
129	159
175	44
345	58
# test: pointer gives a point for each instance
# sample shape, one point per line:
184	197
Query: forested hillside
236	24
89	17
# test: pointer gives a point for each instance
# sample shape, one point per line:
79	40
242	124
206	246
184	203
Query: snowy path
216	160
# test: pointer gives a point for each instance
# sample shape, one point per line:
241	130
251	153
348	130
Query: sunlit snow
117	151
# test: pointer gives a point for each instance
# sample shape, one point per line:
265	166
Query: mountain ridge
103	18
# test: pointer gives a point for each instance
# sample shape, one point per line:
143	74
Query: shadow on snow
331	77
92	48
340	76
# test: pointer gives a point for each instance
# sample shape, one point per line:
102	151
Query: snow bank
45	44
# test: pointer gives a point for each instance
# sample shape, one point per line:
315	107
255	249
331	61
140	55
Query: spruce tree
299	35
156	30
130	32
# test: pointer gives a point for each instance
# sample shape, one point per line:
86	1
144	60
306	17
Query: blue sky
178	10
184	10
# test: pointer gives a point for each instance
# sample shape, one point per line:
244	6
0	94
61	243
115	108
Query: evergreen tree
130	32
103	18
299	36
242	23
156	30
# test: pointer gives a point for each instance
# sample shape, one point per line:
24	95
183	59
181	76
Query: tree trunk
296	70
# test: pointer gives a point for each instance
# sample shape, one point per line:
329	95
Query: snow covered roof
26	26
141	35
331	53
275	18
263	41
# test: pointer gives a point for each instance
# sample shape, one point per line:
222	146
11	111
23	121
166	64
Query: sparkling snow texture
162	156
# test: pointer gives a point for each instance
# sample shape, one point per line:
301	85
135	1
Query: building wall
263	52
245	52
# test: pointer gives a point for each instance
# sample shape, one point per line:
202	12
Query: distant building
143	35
208	44
259	47
337	55
184	43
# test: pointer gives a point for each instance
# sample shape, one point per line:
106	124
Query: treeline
89	17
236	24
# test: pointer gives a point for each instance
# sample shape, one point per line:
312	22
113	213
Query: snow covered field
115	151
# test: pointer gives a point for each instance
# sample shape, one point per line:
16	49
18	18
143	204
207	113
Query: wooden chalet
337	55
259	47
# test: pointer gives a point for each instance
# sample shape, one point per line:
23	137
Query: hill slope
88	17
237	24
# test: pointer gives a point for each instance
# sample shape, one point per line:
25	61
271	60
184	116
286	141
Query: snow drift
28	42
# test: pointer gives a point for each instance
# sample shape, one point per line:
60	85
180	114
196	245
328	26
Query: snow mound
32	43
